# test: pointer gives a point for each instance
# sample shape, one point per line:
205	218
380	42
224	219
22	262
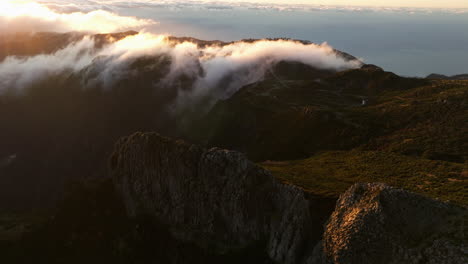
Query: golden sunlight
17	8
30	15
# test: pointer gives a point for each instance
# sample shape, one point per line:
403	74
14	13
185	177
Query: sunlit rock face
215	198
222	202
374	223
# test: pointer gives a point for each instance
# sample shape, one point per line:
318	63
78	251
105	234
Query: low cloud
217	70
17	73
250	61
30	16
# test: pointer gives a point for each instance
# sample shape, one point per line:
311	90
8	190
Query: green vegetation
331	173
409	133
295	119
286	118
430	121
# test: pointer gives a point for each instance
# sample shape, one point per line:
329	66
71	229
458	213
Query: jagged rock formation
374	223
220	201
214	198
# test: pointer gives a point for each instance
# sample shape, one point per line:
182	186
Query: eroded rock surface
214	198
220	201
374	223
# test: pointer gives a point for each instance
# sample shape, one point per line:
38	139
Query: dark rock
214	198
374	223
220	201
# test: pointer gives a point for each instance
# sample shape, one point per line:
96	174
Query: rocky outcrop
214	198
220	201
374	223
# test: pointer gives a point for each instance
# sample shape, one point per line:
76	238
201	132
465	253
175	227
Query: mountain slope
444	77
63	124
330	173
288	118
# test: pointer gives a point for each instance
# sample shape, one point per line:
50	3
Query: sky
415	40
384	3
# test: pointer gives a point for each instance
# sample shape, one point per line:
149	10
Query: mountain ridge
445	77
29	44
316	134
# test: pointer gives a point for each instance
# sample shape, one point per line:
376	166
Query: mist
17	73
240	63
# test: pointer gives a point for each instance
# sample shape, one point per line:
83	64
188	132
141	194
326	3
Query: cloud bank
17	73
217	70
30	16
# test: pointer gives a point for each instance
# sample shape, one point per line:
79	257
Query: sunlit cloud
30	16
16	73
101	16
240	62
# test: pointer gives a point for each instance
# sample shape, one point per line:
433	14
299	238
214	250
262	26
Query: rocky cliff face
214	198
219	200
374	223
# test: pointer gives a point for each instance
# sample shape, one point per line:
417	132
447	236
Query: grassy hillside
366	125
331	173
285	119
429	121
